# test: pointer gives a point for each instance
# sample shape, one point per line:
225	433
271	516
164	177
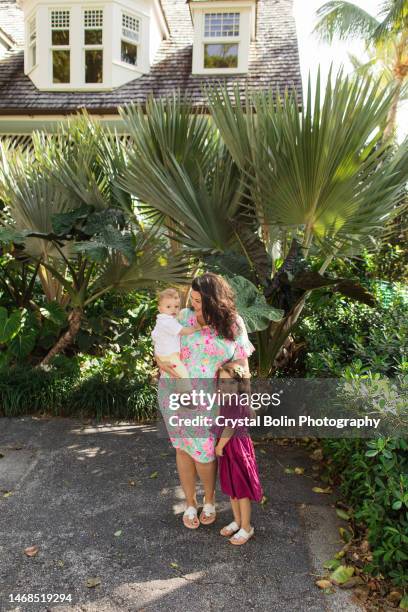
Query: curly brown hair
218	303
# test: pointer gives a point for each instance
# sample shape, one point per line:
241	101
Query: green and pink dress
202	352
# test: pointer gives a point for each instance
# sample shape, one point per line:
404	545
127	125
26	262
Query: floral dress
202	352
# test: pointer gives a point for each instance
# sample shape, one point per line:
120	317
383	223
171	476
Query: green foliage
341	334
252	305
117	386
374	481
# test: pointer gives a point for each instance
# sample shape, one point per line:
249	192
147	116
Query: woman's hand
219	451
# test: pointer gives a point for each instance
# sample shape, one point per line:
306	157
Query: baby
167	331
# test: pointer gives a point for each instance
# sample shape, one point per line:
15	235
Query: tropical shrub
373	477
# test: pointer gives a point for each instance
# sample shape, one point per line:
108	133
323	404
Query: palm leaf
344	20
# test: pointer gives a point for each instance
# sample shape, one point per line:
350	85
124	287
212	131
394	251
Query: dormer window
219	30
60	47
222	35
129	39
93	45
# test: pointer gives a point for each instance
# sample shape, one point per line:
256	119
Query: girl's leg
186	468
245	511
235	510
207	473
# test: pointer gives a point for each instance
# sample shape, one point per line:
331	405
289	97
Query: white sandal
191	514
241	535
231	528
208	511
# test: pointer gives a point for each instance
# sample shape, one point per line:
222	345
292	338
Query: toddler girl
238	470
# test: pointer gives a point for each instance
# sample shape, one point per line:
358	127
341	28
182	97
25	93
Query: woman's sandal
241	537
228	530
208	514
190	513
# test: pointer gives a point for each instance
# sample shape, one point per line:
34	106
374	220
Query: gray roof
273	63
11	21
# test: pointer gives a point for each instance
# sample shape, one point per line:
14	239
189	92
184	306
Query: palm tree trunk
67	338
392	114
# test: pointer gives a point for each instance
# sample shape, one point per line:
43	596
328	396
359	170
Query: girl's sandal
190	514
228	530
208	514
241	537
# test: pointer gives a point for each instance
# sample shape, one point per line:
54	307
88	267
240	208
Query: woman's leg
187	473
207	473
245	511
236	510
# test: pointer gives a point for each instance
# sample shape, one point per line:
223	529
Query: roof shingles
273	63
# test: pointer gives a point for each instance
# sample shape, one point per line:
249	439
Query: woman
222	338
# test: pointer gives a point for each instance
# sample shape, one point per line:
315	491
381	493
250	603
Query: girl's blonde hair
238	373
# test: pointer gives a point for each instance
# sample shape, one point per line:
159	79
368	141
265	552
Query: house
57	56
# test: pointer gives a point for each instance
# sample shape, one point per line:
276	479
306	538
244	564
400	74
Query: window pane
221	24
93	65
60	66
129	53
33	58
60	37
93	37
130	27
221	56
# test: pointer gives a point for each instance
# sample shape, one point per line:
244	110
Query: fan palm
66	208
320	176
386	39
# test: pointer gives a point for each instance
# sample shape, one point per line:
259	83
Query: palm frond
394	15
344	20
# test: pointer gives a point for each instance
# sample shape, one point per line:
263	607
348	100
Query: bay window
32	42
129	39
93	45
60	46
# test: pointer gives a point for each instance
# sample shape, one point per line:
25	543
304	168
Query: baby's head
169	302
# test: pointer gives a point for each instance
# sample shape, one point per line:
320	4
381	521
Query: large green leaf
24	342
252	306
9	325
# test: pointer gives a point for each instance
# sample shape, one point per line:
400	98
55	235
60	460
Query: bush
374	481
341	334
112	387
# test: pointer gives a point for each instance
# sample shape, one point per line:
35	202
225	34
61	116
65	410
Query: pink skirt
238	470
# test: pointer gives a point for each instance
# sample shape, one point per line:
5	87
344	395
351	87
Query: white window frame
97	47
32	46
128	39
60	47
220	40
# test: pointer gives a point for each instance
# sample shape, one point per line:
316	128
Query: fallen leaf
264	501
289	470
118	533
352	582
262	451
341	574
345	534
154	475
395	596
342	514
31	551
93	582
61	563
174	565
332	564
299	470
317	455
327	490
131	483
323	584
